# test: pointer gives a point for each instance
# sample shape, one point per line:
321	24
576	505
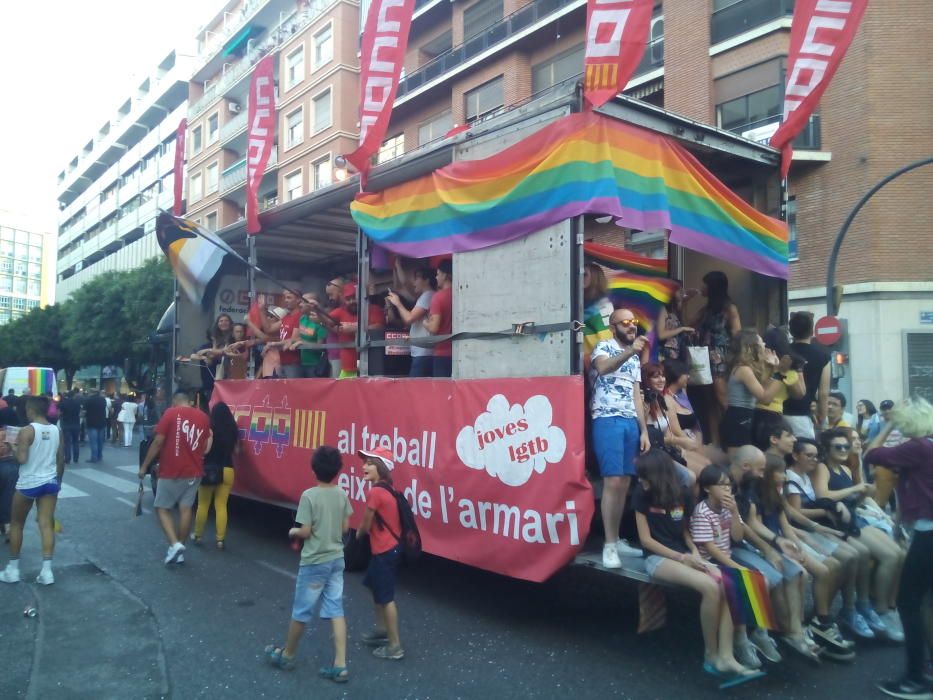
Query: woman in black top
218	473
662	514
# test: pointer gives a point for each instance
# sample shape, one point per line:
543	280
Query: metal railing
746	14
235	175
234	126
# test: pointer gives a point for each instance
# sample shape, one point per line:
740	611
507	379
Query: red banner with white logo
820	35
178	176
493	469
616	35
260	137
385	40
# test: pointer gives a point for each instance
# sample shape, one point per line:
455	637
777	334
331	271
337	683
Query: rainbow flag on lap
748	597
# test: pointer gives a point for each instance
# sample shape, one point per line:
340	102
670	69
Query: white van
37	380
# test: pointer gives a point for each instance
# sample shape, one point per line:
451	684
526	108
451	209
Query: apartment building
723	62
110	192
27	269
315	47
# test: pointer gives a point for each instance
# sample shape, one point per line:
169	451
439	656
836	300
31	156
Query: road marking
277	569
69	491
130	503
129	469
113	482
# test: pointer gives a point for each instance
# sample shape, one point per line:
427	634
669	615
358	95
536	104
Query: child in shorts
324	517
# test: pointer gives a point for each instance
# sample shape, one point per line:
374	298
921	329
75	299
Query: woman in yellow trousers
218	460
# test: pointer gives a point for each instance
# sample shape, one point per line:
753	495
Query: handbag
213	474
701	372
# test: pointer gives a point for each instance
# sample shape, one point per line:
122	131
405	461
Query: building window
322	117
210	221
212	175
213	127
6	265
195	188
321	170
196	144
32	288
485	99
294	127
391	148
749	101
324	46
435	128
294	187
481	15
564	66
733	17
295	67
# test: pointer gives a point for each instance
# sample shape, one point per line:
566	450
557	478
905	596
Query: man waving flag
194	254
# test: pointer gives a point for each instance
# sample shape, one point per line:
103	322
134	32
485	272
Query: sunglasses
841	447
627	322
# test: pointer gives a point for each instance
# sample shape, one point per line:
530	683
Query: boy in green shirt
324	516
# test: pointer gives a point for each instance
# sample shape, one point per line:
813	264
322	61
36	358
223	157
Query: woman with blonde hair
913	461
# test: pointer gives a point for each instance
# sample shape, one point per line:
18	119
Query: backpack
409	538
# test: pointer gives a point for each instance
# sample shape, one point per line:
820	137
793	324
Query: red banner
261	136
616	35
819	38
493	468
178	208
385	40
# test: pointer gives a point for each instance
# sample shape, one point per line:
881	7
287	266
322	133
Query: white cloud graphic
512	442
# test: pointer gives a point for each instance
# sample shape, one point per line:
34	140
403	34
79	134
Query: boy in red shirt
182	438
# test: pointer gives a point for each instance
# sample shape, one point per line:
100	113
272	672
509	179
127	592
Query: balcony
235	175
495	34
234	126
762	130
744	15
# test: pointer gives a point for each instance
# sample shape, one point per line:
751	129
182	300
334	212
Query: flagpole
251	276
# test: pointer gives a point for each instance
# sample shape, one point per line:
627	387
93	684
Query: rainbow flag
643	296
41	381
624	261
748	597
584	163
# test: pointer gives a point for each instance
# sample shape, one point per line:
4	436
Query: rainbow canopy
584	163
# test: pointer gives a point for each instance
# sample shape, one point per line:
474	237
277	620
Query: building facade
110	193
27	270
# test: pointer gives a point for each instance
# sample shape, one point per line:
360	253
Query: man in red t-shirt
182	437
289	360
343	321
440	319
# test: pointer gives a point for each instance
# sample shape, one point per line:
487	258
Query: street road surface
119	624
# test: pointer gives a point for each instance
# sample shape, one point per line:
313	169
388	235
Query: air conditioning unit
234	107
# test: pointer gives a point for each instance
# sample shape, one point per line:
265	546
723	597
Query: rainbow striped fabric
643	296
582	163
747	594
624	260
41	381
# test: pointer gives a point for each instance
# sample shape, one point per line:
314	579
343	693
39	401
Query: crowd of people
781	481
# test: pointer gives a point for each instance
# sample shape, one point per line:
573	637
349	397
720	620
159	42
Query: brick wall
687	84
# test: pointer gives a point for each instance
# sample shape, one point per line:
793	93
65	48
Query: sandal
275	657
337	674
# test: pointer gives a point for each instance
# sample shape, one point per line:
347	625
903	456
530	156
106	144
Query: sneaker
802	647
375	638
626	550
9	575
762	641
45	578
747	655
872	618
853	621
180	559
172	553
195	539
833	644
892	623
389	652
611	557
906	689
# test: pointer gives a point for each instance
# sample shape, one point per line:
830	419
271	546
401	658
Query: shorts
652	562
746	555
381	574
49	488
826	546
813	553
802	426
176	492
316	582
616	443
736	427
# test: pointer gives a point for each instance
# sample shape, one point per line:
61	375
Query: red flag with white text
616	35
260	137
820	35
385	40
178	208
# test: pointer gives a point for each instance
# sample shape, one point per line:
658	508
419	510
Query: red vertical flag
178	208
616	34
261	135
819	38
385	40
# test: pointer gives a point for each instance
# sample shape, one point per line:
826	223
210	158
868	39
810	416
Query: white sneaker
626	550
9	575
173	552
180	559
611	557
45	578
892	622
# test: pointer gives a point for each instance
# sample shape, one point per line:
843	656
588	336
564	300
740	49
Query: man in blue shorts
619	432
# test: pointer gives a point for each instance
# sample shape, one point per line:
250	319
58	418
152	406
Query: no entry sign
828	330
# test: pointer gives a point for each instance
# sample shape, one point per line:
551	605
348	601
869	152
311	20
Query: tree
35	340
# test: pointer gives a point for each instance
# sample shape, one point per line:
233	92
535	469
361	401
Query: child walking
324	516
